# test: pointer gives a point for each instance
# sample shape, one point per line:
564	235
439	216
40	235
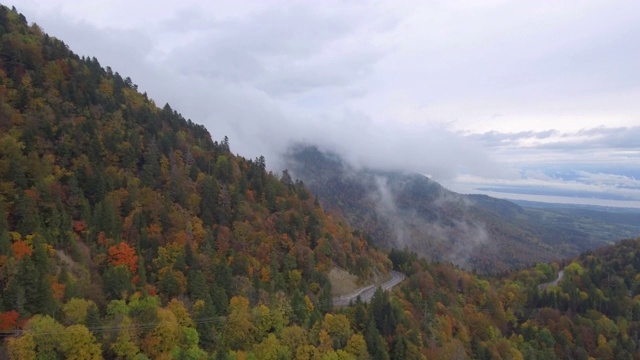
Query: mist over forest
229	188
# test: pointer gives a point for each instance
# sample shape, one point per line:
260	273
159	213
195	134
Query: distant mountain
474	231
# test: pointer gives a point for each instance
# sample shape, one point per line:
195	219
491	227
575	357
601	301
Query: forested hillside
592	313
126	232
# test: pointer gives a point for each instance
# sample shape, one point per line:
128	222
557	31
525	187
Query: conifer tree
169	284
375	343
92	321
5	239
117	281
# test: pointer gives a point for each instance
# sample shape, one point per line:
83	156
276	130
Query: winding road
366	292
552	283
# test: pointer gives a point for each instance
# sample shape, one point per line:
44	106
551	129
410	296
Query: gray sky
519	98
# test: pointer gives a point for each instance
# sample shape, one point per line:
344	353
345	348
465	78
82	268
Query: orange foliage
286	241
102	239
332	228
182	280
180	237
31	193
250	195
154	231
58	290
198	231
123	254
265	275
20	248
8	320
79	226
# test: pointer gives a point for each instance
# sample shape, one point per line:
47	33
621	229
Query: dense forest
126	232
125	227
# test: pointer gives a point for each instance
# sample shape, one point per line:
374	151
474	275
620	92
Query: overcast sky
528	99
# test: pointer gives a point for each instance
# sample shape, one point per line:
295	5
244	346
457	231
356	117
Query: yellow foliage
80	344
75	310
159	343
23	347
180	311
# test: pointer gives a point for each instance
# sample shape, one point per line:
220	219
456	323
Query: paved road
552	283
366	292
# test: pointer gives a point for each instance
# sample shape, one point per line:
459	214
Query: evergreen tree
375	343
197	286
205	313
360	318
399	347
325	300
142	271
189	257
117	282
92	321
14	296
299	307
26	215
5	239
220	300
169	284
28	278
221	354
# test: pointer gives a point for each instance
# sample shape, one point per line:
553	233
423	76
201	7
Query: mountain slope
473	231
117	214
592	312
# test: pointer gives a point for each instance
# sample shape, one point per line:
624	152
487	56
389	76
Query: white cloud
480	88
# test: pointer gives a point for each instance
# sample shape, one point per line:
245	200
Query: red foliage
9	320
123	254
151	290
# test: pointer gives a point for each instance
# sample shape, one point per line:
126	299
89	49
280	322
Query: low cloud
457	239
410	86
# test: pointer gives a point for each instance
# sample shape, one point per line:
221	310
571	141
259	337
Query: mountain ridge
474	231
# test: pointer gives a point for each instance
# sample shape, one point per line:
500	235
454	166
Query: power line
144	326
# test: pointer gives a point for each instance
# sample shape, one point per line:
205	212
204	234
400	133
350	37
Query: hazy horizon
503	98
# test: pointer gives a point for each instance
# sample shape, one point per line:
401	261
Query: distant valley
473	231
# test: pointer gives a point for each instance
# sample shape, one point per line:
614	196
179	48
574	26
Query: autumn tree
123	254
78	343
239	331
